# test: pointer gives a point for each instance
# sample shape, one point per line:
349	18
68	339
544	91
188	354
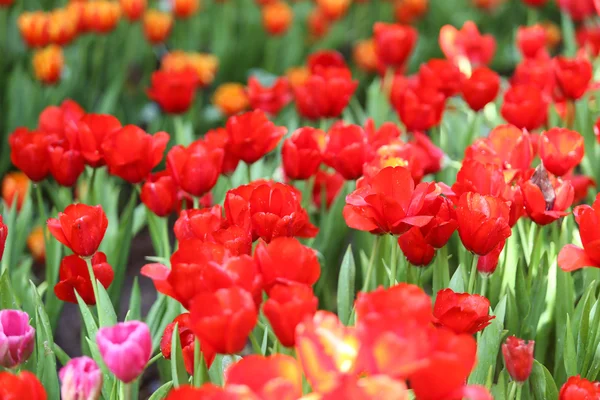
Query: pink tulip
16	338
81	379
125	348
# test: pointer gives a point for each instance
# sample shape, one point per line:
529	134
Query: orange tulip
333	9
62	27
15	184
48	64
277	17
205	65
318	24
365	56
408	11
133	9
297	76
231	98
34	28
553	35
157	25
185	8
35	244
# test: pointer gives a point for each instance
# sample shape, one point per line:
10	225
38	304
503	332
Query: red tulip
80	227
29	152
301	153
387	133
419	107
545	198
536	72
22	386
394	43
561	150
573	76
131	153
223	319
3	236
325	59
74	277
534	3
400	302
287	260
578	10
581	186
482	222
66	163
572	257
159	193
461	312
525	107
429	154
287	306
441	75
486	265
518	357
326	93
480	88
347	150
269	99
506	146
328	185
220	138
578	388
475	176
174	91
252	135
467	43
187	339
198	224
196	168
531	40
54	119
88	133
389	203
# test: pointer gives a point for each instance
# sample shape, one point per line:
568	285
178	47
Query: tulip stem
513	390
89	196
484	283
519	390
471	287
88	262
125	391
249	172
394	262
371	265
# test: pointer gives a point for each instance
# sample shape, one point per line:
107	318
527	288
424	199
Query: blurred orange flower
205	65
333	9
277	17
297	76
230	98
408	11
157	25
48	64
318	24
185	8
35	244
101	16
34	28
133	9
365	56
62	27
15	184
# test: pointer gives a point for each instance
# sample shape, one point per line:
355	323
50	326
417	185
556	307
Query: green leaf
88	319
592	373
441	271
8	299
570	354
583	312
500	389
594	337
162	391
135	310
347	279
457	283
178	373
513	319
106	311
542	383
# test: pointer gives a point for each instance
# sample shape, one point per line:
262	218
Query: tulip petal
572	258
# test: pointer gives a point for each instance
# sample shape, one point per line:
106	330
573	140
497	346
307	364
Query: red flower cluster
572	257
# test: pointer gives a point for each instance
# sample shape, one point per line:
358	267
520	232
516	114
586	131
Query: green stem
249	172
484	284
394	262
88	262
179	130
372	263
61	355
519	390
125	391
89	196
165	238
154	359
471	287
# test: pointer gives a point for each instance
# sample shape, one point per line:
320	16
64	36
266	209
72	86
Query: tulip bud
81	379
80	227
125	348
16	338
277	17
157	25
301	153
518	357
159	193
36	245
133	9
15	184
230	98
48	64
3	235
185	8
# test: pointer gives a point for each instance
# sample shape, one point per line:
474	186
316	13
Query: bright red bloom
347	149
208	391
22	386
269	99
301	153
88	133
475	176
198	224
442	75
486	265
195	168
546	198
394	43
80	227
174	91
223	319
577	9
400	302
518	357
561	150
385	134
480	88
220	138
578	388
186	338
131	153
573	76
536	72
287	260
328	184
482	222
415	247
581	186
531	40
506	146
159	193
572	257
419	107
325	59
66	163
326	93
467	43
3	236
29	152
461	312
252	135
389	202
429	154
525	107
74	277
54	119
287	306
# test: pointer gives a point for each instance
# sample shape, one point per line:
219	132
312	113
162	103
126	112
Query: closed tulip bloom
441	75
132	154
102	16
22	386
561	150
223	319
531	40
572	257
196	168
34	28
185	8
157	26
133	9
301	153
269	99
578	388
327	185
29	152
48	64
88	133
16	338
578	10
277	17
287	306
415	248
467	43
54	119
347	150
15	186
394	43
461	312
252	135
546	198
480	88
482	222
486	265
186	339
3	236
80	227
36	244
220	138
333	9
66	163
159	194
573	76
419	107
525	107
230	98
174	91
125	349
81	379
364	55
198	224
286	260
518	357
74	276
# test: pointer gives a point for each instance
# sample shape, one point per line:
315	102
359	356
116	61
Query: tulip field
300	199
